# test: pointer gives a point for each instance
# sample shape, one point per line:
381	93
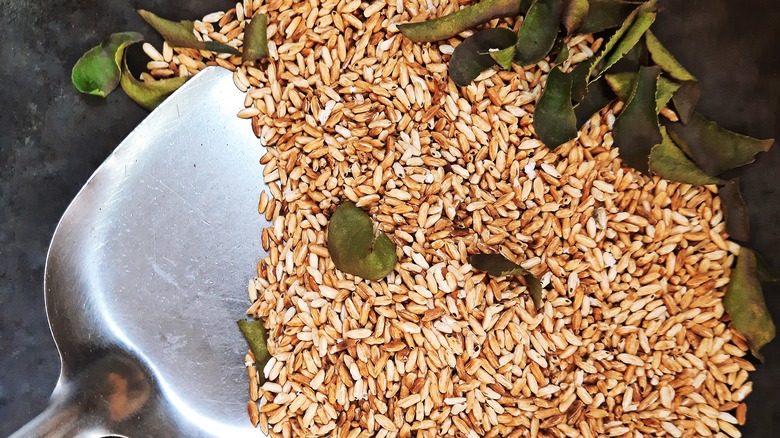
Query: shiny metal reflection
146	275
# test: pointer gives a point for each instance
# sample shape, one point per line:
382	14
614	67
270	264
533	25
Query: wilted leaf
599	95
685	100
98	71
574	13
735	210
353	247
554	119
255	39
580	78
472	56
606	14
180	34
636	130
455	23
257	338
498	266
715	149
668	161
664	59
763	273
744	301
622	83
562	56
148	94
536	36
504	57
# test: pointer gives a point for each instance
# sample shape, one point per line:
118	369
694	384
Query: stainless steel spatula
146	275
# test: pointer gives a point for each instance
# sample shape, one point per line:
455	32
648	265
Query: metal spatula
146	275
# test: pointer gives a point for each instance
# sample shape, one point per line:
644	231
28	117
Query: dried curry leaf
353	246
574	14
744	301
472	56
98	71
554	119
763	272
622	83
497	266
148	94
735	210
668	161
716	149
664	59
537	35
180	34
455	23
636	130
256	336
606	14
255	39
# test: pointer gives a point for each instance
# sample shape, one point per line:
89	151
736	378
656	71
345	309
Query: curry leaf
685	100
645	16
763	272
621	84
497	266
504	57
255	39
735	210
455	23
664	59
744	301
98	71
472	56
536	36
716	149
180	34
599	95
148	94
353	247
554	119
257	338
668	161
574	13
606	14
636	130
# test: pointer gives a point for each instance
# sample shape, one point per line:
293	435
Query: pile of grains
631	340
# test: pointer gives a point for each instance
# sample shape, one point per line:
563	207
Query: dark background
52	139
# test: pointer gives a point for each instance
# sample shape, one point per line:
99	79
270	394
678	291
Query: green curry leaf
536	36
98	71
574	14
497	266
353	247
554	119
735	210
255	39
473	55
148	94
744	301
636	130
256	336
621	84
668	161
716	149
180	34
455	23
606	14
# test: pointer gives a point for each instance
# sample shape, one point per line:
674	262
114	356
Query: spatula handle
100	400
